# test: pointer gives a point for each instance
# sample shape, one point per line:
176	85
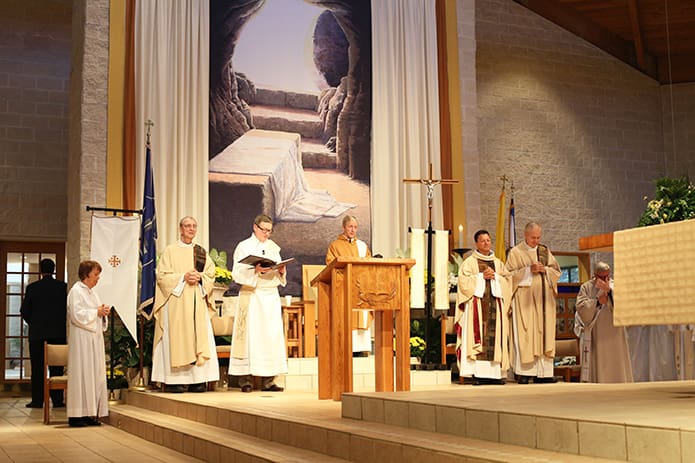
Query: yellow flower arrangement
223	276
417	346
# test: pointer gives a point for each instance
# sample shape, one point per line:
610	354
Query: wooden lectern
353	283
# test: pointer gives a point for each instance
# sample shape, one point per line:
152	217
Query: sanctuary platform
563	422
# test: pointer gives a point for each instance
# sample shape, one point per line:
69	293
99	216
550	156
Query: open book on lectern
264	261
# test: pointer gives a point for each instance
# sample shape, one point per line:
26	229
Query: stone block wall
35	40
465	29
88	123
579	132
679	144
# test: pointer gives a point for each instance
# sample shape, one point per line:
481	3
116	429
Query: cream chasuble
533	310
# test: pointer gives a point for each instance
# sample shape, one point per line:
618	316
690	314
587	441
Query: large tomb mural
290	122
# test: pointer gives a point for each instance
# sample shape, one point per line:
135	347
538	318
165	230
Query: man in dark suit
44	309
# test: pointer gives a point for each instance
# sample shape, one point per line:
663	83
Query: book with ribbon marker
264	261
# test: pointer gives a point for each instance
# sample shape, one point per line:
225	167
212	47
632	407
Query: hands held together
104	310
537	267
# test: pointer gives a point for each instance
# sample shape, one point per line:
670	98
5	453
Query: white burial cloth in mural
277	154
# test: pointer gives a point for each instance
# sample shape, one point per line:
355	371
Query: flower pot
218	291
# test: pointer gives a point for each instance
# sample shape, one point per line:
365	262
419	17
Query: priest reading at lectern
347	244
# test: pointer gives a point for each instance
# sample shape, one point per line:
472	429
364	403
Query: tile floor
25	439
654	421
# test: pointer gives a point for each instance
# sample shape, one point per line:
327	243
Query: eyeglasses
265	230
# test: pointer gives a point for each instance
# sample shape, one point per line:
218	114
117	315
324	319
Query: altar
272	161
654	289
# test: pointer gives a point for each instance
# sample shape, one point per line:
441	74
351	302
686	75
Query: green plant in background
453	266
125	351
674	200
222	273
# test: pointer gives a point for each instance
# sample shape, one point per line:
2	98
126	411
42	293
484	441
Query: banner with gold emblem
115	247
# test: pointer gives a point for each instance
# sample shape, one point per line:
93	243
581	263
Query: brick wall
578	131
34	73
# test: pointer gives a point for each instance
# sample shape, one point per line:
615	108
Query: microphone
263	251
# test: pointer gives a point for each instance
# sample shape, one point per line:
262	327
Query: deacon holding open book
258	338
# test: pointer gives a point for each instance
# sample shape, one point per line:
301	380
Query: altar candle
460	245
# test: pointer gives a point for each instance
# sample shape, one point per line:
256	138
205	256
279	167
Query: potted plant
126	353
674	200
223	277
417	348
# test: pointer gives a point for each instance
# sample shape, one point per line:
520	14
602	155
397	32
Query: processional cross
429	184
149	124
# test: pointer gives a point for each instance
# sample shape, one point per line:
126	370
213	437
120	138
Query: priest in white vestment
347	244
184	355
258	336
482	321
88	319
535	274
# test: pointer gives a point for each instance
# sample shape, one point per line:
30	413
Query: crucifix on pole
429	184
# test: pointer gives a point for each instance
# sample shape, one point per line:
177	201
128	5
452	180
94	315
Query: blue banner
148	235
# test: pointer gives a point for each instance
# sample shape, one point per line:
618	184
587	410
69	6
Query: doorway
19	266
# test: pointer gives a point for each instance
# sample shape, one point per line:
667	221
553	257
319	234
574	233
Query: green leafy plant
125	351
453	266
674	200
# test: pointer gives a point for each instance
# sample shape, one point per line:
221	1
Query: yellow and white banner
115	247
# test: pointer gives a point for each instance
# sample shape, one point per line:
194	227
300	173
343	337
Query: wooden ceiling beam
682	69
637	34
611	43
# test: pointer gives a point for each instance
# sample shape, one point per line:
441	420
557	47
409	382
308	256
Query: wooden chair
222	326
309	272
292	316
54	355
568	348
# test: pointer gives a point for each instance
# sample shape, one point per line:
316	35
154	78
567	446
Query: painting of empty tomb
290	122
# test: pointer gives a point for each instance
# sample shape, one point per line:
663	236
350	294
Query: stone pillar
87	124
465	14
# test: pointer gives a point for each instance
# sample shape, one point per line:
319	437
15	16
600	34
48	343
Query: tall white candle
460	245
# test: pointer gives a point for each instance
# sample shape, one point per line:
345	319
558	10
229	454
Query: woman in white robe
87	394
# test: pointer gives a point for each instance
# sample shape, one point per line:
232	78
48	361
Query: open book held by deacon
264	261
